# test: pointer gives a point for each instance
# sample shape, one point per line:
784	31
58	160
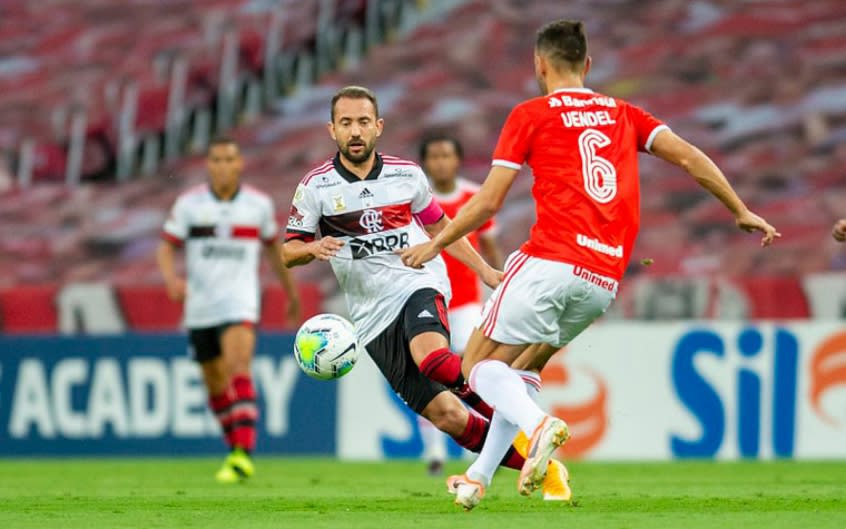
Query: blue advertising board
139	394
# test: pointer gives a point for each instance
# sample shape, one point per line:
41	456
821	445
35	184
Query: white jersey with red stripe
374	217
223	241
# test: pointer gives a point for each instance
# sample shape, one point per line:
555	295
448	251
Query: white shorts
542	301
462	321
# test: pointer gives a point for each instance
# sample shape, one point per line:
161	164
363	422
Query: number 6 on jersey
599	174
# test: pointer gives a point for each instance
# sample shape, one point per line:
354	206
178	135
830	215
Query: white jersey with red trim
223	241
373	216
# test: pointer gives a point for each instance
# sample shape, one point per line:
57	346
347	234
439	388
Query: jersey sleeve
269	229
647	127
512	148
304	216
423	205
176	226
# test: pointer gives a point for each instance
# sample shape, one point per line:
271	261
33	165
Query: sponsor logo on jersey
365	193
371	220
598	246
214	251
402	173
326	182
362	248
595	279
295	218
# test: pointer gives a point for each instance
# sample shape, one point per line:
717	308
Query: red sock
474	433
444	366
513	459
221	406
241	421
474	401
473	438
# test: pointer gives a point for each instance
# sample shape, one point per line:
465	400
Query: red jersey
582	148
462	279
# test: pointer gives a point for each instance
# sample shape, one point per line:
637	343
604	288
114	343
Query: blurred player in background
367	206
223	226
839	231
582	147
441	157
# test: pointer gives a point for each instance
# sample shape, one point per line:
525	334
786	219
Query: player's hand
748	221
295	309
839	231
415	256
491	277
176	289
326	248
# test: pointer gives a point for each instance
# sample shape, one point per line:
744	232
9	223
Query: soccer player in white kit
366	206
582	147
223	226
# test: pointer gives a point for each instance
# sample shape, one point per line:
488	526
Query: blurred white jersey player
441	156
223	226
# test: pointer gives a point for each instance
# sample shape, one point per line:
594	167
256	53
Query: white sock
503	388
500	437
434	441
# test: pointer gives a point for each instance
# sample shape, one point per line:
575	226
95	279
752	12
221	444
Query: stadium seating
767	100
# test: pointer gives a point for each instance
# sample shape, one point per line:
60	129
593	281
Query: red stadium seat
274	303
29	309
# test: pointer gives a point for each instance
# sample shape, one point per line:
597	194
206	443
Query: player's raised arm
464	252
473	215
670	147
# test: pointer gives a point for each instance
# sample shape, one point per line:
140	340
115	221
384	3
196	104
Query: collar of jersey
217	197
452	195
577	90
349	176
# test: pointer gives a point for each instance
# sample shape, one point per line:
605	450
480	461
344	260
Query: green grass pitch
318	493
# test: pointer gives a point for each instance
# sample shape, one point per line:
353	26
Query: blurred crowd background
106	107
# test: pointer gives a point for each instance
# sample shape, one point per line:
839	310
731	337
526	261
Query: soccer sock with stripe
444	366
504	389
474	437
501	435
241	422
221	405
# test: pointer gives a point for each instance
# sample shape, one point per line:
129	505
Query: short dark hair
564	42
354	92
221	140
435	138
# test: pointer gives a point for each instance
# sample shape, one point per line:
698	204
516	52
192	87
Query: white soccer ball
326	347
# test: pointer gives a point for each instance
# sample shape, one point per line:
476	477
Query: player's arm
300	246
297	252
464	252
839	231
670	147
273	251
174	232
165	259
478	210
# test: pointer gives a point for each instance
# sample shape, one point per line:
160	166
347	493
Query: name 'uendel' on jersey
374	217
582	148
222	241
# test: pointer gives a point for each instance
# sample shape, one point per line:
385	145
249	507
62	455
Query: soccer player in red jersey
441	156
223	226
582	147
